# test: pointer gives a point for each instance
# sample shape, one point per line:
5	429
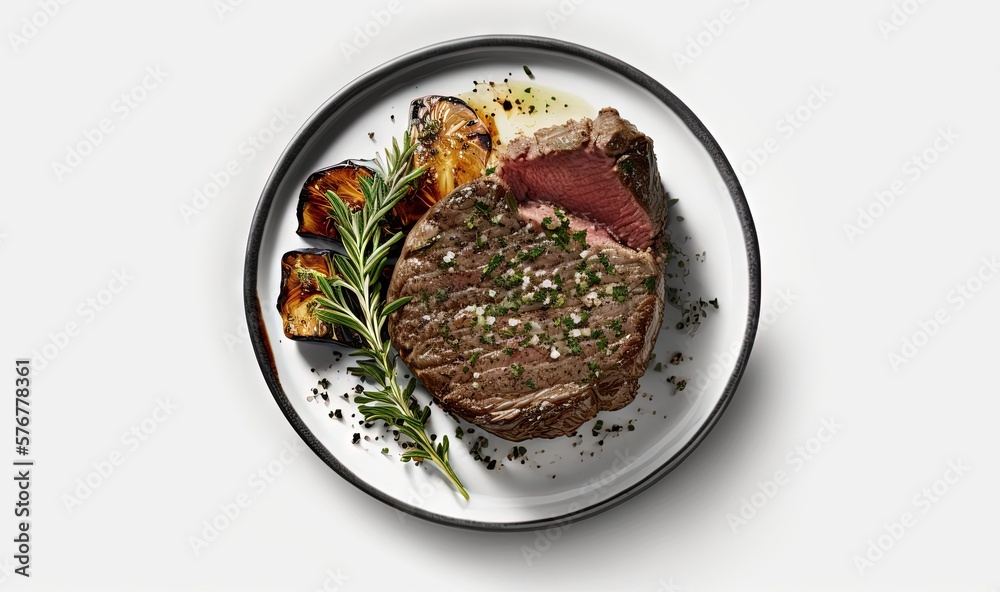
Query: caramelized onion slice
454	144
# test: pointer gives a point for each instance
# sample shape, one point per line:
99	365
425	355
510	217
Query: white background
176	332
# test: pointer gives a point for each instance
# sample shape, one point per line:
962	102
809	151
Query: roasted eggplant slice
451	141
299	295
313	211
454	144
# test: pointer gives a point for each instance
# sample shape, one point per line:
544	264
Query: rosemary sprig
353	300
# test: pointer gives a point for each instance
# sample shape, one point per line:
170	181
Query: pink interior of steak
537	212
601	169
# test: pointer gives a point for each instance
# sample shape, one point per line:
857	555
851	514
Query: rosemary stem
364	258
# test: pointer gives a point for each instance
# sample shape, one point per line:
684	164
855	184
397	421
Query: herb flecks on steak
547	319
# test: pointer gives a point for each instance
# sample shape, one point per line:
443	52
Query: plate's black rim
251	300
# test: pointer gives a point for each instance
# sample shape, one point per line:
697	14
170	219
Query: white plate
563	483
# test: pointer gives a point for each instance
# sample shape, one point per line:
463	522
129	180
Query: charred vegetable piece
299	292
297	299
314	207
454	144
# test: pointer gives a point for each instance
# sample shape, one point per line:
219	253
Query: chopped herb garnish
527	71
594	371
483	208
517	370
509	280
495	262
597	427
608	267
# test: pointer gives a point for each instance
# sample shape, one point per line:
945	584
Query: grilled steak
603	169
525	319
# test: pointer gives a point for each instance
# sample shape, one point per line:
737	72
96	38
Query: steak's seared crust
524	320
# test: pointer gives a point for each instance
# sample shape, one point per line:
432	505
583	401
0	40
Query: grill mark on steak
603	169
464	265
